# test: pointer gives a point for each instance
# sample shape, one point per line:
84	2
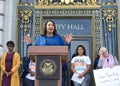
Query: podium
49	64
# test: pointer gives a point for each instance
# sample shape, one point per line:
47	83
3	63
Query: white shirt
32	68
80	63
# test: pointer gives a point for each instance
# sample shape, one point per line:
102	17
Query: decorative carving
66	2
65	12
109	15
91	2
26	4
25	15
44	2
97	29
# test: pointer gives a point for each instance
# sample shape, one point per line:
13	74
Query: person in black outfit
96	62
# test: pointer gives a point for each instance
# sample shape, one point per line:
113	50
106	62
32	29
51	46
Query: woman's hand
68	38
27	39
111	66
32	73
7	73
100	54
81	75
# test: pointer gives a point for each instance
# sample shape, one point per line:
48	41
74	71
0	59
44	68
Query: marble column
118	2
2	17
10	31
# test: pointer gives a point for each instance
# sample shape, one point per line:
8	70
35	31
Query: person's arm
85	71
27	40
64	43
3	62
68	38
73	65
26	64
116	60
88	65
16	67
73	68
100	63
25	67
40	41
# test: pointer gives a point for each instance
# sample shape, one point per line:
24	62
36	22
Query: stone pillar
10	22
2	17
118	2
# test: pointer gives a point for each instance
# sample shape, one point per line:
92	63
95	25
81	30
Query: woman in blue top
51	38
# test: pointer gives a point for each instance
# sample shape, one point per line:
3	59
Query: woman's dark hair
10	43
45	28
84	51
74	55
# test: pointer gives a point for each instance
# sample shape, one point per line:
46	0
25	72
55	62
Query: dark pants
28	82
63	80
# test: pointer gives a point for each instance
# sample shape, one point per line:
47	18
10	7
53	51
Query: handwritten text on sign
107	76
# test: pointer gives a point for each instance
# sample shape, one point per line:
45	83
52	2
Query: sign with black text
107	76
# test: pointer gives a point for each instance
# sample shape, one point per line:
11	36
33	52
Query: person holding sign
106	59
80	66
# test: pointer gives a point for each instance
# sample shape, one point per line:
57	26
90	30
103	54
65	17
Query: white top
80	63
32	68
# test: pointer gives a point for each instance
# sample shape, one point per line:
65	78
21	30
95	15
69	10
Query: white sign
107	76
76	79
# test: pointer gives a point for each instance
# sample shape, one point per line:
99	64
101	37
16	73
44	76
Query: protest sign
107	76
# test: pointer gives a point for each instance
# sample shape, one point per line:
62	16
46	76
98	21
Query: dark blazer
26	62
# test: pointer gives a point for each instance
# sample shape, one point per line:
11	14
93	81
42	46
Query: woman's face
105	53
80	51
50	28
10	47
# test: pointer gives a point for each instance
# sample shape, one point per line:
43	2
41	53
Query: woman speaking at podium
50	38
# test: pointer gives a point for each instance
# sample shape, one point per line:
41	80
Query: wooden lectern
49	64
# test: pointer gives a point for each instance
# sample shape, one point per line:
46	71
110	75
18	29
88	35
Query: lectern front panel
48	70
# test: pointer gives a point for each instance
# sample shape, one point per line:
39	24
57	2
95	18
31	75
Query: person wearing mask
80	66
10	64
51	38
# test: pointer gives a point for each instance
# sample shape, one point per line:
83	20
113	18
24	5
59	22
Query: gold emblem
47	67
